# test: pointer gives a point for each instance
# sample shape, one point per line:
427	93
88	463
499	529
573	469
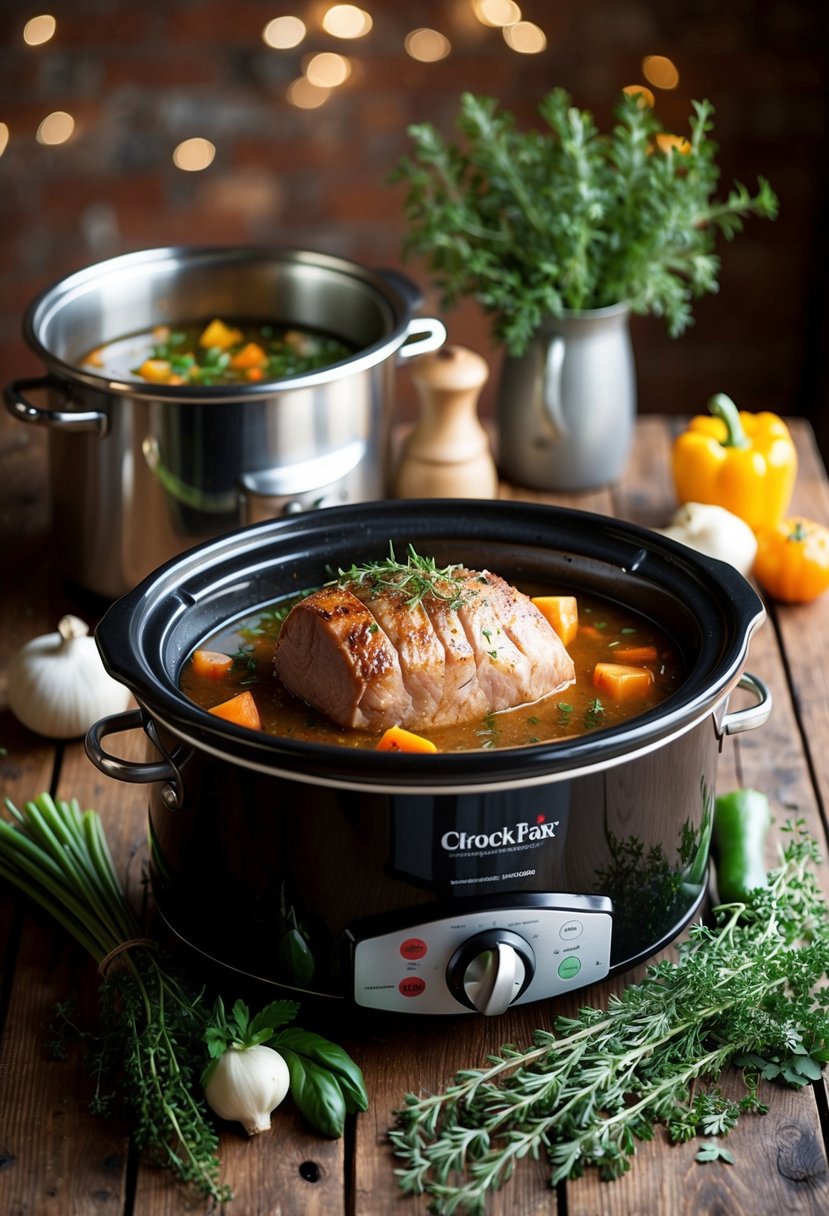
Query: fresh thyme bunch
531	224
751	991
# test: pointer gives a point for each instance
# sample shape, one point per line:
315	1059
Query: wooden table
56	1159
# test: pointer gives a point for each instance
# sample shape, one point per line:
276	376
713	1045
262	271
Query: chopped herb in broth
605	630
199	353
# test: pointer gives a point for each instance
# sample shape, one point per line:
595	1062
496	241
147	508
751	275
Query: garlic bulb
716	532
57	684
246	1084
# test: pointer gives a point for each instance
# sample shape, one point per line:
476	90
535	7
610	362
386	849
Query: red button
412	986
413	947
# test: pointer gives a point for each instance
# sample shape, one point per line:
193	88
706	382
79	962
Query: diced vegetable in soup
216	352
621	663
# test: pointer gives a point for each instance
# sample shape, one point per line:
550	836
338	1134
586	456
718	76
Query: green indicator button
569	967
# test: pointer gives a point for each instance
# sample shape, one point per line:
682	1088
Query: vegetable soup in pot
610	663
217	352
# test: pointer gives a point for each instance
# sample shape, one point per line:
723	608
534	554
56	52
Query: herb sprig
530	224
417	577
751	990
155	1030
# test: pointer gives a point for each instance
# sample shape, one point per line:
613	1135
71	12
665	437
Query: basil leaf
332	1057
316	1092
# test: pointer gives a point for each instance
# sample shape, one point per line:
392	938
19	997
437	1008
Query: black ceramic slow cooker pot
431	883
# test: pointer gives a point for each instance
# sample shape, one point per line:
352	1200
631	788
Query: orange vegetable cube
210	663
562	612
620	682
155	370
396	739
219	334
635	654
240	709
255	373
589	631
251	355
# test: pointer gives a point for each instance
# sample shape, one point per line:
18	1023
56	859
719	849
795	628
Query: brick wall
140	77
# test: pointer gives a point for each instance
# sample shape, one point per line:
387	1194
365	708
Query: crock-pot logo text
503	837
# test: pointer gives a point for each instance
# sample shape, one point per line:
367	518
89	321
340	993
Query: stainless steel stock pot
140	472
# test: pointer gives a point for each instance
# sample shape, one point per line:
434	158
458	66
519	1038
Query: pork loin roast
371	657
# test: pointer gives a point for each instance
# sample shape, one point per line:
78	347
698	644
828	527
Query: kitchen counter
58	1159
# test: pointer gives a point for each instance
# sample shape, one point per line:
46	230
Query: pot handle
166	770
435	336
751	716
19	406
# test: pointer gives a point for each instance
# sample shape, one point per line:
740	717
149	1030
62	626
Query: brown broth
604	628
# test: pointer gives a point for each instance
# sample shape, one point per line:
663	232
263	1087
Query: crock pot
140	472
431	883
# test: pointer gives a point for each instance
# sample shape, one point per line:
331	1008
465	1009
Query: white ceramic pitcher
566	407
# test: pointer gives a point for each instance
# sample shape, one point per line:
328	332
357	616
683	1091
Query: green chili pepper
741	823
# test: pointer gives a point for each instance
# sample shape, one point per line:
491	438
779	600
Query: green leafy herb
417	577
326	1084
711	1151
750	989
155	1030
530	224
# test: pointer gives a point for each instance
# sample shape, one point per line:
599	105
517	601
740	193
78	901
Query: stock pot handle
435	336
751	716
166	770
19	406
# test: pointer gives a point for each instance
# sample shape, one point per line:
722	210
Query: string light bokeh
126	126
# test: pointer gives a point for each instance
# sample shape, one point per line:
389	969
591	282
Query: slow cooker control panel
484	958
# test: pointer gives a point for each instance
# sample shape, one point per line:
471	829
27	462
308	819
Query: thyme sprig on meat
418	577
750	991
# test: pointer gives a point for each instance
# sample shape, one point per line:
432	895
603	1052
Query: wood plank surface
57	1158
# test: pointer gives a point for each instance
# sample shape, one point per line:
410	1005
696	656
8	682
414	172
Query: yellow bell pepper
792	562
744	462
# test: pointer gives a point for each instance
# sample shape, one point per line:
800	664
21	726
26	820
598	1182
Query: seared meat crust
368	659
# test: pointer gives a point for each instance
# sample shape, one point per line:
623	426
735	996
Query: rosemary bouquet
534	224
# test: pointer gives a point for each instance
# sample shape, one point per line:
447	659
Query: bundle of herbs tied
160	1053
532	224
748	990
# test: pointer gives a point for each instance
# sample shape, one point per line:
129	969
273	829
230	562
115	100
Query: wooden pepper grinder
447	455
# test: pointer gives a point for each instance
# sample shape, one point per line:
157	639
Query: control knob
490	970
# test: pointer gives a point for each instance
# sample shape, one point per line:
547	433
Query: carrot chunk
396	739
211	663
620	682
219	334
240	709
157	371
635	654
251	355
562	612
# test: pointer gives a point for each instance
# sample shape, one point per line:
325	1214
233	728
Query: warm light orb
346	21
644	94
427	46
525	37
327	70
38	30
305	95
660	71
496	13
55	128
194	154
283	33
4	137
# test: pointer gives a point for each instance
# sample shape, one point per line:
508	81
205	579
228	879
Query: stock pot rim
397	294
145	636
